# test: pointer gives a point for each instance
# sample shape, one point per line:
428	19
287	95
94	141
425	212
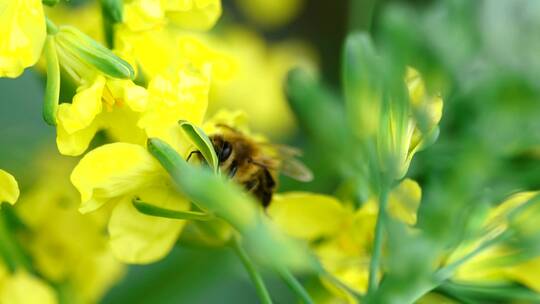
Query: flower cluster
163	122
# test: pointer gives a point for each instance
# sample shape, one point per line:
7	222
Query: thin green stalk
256	278
153	210
295	286
9	248
378	242
361	15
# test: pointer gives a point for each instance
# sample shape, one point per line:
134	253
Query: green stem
361	15
378	242
9	248
295	286
256	278
52	90
112	13
153	210
52	29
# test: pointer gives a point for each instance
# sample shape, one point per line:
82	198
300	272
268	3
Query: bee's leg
233	169
196	152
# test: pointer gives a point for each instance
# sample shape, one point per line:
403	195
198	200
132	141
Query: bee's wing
293	168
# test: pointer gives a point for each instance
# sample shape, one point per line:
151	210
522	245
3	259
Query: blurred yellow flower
81	260
341	237
163	50
140	15
24	288
260	69
399	140
22	35
503	263
100	104
85	16
9	190
271	13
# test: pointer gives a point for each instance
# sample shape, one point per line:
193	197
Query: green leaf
52	91
201	142
153	210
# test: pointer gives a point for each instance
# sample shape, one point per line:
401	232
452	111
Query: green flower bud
93	53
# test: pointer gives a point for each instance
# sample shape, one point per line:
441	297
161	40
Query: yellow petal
9	189
193	14
22	35
142	15
85	107
527	273
74	144
23	288
271	13
112	171
307	215
134	96
139	238
179	96
404	201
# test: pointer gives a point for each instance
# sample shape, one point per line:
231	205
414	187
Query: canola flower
85	270
251	55
23	35
151	83
41	262
17	285
341	236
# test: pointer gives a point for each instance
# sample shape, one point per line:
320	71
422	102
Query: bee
256	165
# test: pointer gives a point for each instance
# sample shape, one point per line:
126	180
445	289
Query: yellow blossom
163	50
24	288
140	15
100	104
80	259
341	237
399	142
84	16
271	13
115	174
22	35
260	68
501	263
9	190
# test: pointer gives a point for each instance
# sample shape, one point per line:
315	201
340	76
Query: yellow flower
163	50
179	95
9	190
24	288
140	15
100	104
426	114
341	237
270	64
400	142
82	258
22	35
501	263
115	174
84	16
271	13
